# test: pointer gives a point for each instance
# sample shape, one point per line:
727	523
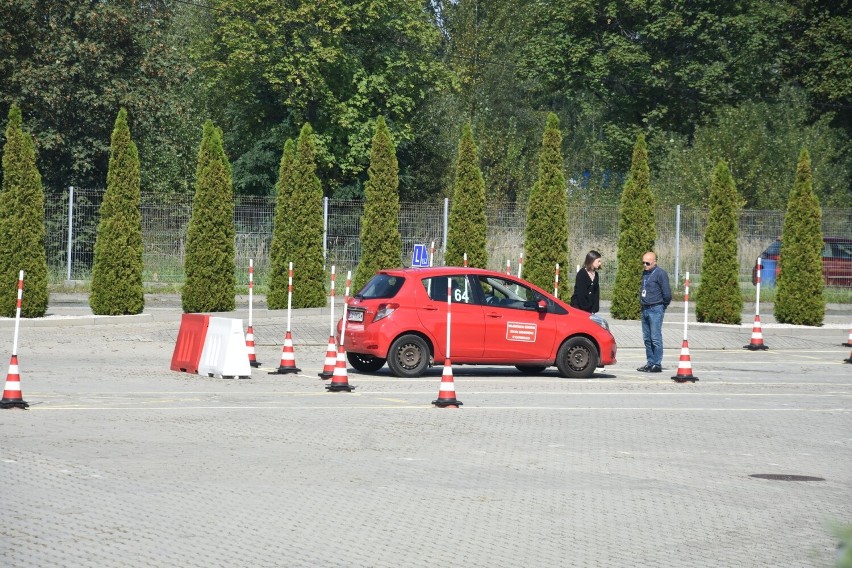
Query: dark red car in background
836	262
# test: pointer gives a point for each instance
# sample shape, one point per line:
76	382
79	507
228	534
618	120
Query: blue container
767	272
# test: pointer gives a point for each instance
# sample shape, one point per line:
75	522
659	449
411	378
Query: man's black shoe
655	369
644	369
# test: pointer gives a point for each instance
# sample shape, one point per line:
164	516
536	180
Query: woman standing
587	289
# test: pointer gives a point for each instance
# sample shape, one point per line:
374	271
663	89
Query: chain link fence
165	218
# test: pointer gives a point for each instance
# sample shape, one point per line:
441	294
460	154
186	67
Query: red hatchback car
400	317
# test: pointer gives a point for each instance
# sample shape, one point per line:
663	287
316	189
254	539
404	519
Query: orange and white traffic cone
684	367
250	347
756	343
340	379
330	360
848	341
12	392
288	357
447	392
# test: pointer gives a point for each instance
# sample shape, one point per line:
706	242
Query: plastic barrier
190	342
767	272
225	352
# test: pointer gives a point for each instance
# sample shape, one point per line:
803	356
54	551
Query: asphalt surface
121	462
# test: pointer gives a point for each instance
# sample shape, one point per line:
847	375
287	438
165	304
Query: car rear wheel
365	363
408	356
531	369
577	358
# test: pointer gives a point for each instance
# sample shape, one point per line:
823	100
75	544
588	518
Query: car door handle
494	315
430	307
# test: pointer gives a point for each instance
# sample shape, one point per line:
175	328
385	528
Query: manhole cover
785	477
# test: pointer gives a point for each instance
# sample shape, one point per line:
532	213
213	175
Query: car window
381	286
436	288
841	250
508	294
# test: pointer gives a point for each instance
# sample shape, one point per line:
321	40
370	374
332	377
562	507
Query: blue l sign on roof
420	257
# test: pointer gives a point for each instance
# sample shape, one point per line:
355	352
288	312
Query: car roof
440	271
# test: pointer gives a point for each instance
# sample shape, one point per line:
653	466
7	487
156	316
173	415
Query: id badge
643	292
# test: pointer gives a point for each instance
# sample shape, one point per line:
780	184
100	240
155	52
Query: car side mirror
541	306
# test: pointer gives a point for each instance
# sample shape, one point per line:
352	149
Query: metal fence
165	218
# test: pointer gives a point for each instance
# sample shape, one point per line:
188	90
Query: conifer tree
637	234
210	284
117	271
719	298
467	228
381	242
546	240
800	299
22	230
306	208
282	232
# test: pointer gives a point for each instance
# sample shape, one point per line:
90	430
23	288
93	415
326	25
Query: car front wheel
577	358
365	363
408	356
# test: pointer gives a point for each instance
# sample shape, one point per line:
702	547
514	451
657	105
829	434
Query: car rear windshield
381	286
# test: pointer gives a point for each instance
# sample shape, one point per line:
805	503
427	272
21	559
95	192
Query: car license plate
355	316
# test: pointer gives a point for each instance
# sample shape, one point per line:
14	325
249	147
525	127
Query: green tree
799	299
546	239
637	233
21	224
210	284
306	207
467	224
283	232
117	271
719	298
381	242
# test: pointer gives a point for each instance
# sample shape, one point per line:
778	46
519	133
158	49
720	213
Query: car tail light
385	310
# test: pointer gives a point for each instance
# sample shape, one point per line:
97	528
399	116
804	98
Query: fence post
677	245
446	216
70	230
324	230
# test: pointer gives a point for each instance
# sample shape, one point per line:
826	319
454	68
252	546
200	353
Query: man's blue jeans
652	333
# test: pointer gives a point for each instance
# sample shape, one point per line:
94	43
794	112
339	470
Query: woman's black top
587	292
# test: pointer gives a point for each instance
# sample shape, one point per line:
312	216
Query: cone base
9	403
254	364
684	378
447	403
338	387
849	360
755	347
325	375
285	370
847	344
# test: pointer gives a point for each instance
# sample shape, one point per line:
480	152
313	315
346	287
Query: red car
836	262
400	317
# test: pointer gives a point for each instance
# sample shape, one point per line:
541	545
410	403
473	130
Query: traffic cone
288	358
848	341
339	380
447	392
756	343
330	360
684	367
12	393
250	346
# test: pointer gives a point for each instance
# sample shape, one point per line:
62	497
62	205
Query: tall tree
210	284
381	242
283	232
467	224
21	224
546	239
800	299
719	298
306	206
637	232
117	271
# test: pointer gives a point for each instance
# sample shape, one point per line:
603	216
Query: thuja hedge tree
381	242
799	299
546	239
719	298
21	225
467	228
637	233
282	232
210	284
117	271
306	209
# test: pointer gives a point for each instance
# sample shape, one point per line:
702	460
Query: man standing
655	295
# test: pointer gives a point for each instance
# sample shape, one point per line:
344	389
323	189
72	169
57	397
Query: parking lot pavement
121	462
